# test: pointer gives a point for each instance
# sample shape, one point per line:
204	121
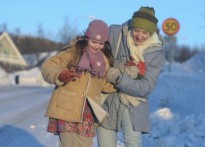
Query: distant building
10	58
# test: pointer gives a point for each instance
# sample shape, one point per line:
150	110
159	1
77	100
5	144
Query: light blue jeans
108	138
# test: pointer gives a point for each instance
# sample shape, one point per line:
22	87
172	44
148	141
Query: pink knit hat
98	30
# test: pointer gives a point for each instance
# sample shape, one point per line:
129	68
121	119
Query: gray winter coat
154	60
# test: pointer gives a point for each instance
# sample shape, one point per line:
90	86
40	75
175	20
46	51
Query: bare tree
3	27
67	32
39	46
40	31
17	32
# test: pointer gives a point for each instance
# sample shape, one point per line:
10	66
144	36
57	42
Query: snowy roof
9	53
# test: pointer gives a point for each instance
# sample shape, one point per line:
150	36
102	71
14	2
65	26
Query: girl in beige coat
79	71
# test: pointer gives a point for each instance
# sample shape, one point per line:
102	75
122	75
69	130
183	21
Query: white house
10	57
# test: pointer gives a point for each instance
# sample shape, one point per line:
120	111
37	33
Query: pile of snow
169	130
5	80
177	106
196	63
32	77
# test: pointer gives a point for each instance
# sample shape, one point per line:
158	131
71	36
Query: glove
141	66
68	75
120	66
130	69
114	75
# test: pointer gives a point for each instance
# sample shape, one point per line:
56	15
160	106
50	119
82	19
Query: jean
108	138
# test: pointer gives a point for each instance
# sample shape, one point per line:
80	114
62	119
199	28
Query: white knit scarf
137	51
137	54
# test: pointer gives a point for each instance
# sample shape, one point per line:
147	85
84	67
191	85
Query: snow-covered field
177	108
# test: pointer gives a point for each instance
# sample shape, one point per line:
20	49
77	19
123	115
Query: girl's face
140	35
95	45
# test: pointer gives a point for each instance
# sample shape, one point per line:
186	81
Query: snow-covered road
12	98
22	121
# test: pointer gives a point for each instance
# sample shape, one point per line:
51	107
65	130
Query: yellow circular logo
170	26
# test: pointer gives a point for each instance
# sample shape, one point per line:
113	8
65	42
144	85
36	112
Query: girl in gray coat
139	58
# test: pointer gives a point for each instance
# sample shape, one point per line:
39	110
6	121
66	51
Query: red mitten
142	68
68	75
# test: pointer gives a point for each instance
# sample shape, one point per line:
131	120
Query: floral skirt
86	128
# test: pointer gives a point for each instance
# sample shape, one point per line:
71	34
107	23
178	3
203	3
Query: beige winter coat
67	101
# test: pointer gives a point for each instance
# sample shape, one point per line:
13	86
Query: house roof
9	53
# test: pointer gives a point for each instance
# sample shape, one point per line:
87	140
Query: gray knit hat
98	30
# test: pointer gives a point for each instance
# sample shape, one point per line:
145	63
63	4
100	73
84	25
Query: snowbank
4	78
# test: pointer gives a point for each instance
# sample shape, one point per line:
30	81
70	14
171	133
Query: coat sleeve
144	86
53	66
114	31
108	87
